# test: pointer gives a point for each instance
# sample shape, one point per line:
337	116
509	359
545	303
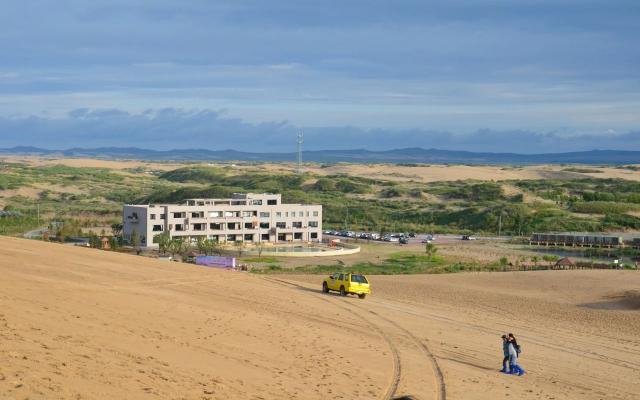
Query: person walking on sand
513	356
505	354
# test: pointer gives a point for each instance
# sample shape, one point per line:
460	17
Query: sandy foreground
84	324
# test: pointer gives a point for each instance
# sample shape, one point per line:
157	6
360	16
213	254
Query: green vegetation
266	260
583	170
16	225
397	263
356	203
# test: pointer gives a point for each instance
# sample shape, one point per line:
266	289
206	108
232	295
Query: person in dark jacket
505	353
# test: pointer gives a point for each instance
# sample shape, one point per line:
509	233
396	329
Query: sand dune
86	324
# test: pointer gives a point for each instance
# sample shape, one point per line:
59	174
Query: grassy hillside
520	207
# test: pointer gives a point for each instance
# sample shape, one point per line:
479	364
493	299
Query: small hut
565	263
191	257
104	243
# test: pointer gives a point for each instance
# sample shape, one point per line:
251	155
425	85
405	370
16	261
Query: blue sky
525	76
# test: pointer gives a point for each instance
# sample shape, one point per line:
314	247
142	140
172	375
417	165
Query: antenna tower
299	142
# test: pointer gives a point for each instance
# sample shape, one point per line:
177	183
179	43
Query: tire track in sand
390	392
392	389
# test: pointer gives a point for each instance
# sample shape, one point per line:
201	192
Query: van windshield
359	279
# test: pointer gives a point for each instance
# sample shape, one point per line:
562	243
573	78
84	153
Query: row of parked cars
402	238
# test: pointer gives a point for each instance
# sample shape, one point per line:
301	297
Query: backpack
518	349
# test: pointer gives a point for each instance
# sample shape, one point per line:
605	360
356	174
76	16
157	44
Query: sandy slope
80	323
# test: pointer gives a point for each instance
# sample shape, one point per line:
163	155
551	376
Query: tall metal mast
299	142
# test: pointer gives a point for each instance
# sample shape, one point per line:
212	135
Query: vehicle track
442	388
391	392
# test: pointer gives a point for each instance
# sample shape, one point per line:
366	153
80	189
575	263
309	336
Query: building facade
249	218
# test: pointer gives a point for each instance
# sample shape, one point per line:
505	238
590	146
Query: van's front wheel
325	288
362	295
342	291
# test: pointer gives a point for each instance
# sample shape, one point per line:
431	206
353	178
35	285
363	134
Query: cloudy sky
525	76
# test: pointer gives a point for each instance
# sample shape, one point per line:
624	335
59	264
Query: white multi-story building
250	218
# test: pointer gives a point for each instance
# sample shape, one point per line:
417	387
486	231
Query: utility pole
346	220
500	223
299	143
38	212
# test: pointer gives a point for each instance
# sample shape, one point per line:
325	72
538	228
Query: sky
502	76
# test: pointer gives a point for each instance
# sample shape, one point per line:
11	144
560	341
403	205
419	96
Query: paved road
35	233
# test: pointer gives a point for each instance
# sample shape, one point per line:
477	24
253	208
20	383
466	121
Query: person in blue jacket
505	352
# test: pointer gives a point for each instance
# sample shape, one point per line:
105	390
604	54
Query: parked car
468	237
412	234
404	240
346	284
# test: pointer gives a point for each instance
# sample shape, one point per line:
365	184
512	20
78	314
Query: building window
282	237
248	225
278	214
257	202
300	213
272	202
199	214
179	227
179	215
248	237
163	216
199	227
232	226
215	214
314	235
297	236
297	224
249	213
307	213
264	225
264	237
264	215
152	216
281	225
313	224
231	238
157	228
216	227
286	214
315	213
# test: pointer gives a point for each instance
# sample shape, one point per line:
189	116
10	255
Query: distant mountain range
408	155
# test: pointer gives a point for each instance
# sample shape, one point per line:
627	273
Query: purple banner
216	261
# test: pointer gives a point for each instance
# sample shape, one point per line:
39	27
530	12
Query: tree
116	228
162	240
239	244
203	245
504	261
214	247
535	260
135	240
178	246
94	241
113	243
260	248
430	249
